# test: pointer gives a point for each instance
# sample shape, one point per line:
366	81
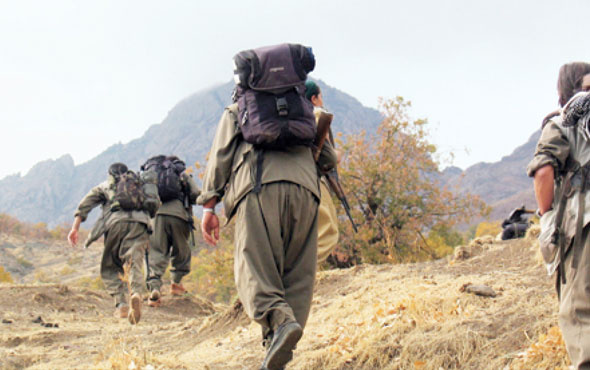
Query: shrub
488	228
391	179
212	271
5	276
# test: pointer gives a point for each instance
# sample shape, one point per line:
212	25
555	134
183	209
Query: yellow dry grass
415	316
411	316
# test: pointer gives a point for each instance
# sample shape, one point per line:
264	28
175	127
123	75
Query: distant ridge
504	185
51	190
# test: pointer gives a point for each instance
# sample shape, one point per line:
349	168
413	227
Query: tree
392	182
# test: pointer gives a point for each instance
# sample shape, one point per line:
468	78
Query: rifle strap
147	269
578	242
558	236
258	171
576	181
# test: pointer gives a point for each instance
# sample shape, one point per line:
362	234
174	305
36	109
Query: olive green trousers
276	254
125	243
574	305
169	243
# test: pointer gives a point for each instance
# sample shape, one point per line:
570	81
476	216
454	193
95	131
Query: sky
79	76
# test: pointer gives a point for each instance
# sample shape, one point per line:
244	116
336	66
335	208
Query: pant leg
275	254
133	247
158	253
327	224
111	266
179	231
299	272
574	306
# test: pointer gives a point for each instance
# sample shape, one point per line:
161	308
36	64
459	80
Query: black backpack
168	169
270	92
128	192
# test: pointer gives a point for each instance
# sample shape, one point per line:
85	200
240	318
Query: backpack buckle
282	107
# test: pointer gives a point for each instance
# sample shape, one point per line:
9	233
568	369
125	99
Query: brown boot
135	311
177	289
121	311
154	300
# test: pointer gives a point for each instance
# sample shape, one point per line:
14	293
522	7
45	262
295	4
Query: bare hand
210	228
73	237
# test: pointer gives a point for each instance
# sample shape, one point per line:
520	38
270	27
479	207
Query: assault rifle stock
323	130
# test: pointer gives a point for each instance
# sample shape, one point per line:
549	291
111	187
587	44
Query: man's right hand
73	237
210	228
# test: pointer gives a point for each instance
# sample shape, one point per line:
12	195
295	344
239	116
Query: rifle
147	269
189	209
334	184
323	131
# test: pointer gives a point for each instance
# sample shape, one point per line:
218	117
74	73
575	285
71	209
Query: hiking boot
135	311
154	299
177	289
121	311
284	340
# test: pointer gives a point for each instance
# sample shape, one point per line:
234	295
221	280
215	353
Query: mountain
504	185
51	190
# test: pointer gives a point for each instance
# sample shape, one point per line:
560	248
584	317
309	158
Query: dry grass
410	316
130	353
547	353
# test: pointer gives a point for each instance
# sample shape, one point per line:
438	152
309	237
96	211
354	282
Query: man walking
172	227
124	223
327	217
561	168
274	195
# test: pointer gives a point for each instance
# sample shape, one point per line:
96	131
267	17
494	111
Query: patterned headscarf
570	78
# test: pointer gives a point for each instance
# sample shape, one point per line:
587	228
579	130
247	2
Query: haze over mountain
51	190
504	185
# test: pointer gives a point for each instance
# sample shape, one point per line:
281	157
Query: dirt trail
388	316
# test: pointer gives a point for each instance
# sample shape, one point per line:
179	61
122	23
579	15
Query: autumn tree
392	183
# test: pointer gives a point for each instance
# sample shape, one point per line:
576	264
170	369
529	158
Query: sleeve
553	148
218	170
95	197
328	158
193	188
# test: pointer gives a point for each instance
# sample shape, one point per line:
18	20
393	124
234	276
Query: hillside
51	190
367	317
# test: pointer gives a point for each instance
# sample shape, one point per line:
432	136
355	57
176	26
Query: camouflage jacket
176	207
230	170
102	195
560	146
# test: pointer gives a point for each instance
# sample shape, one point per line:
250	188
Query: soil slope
368	317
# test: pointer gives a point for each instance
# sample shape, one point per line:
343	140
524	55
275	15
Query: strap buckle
282	106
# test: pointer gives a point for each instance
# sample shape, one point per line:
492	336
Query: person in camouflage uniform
327	217
170	241
125	242
558	167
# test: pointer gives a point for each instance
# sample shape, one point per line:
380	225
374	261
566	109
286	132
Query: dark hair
117	169
311	89
570	78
